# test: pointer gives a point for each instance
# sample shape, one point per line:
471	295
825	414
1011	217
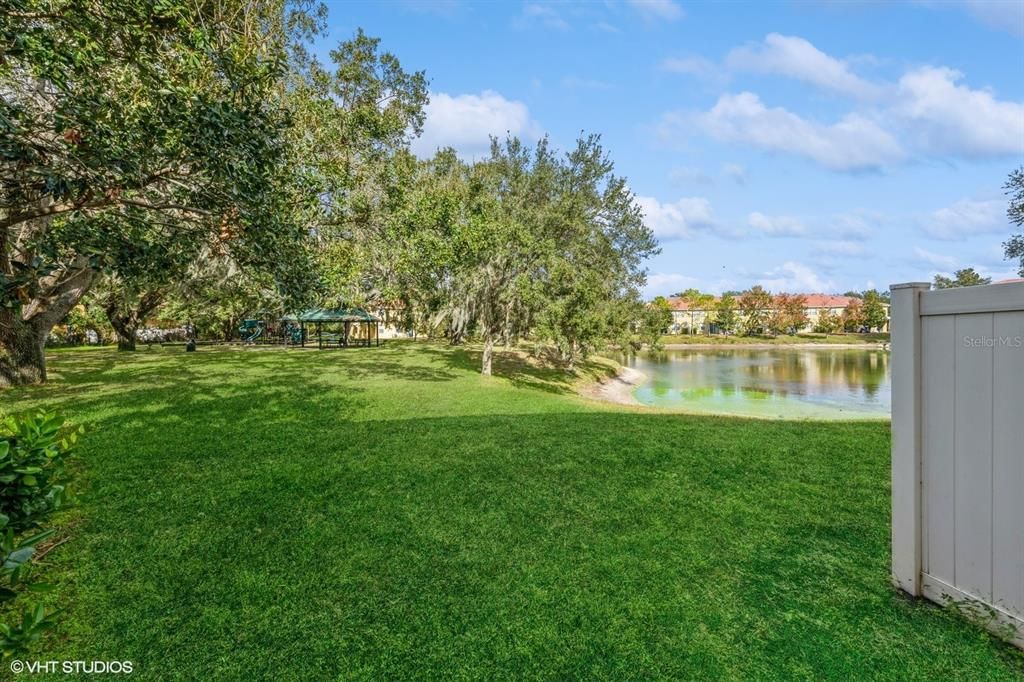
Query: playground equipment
293	334
251	330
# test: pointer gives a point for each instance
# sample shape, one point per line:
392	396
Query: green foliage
788	314
725	314
852	318
21	637
218	297
138	138
1014	187
966	277
15	578
523	243
826	322
755	308
655	322
873	311
33	450
85	317
353	121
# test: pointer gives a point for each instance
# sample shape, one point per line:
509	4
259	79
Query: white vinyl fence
958	449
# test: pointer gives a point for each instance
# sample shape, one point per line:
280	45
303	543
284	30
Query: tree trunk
488	355
125	329
506	331
125	317
21	351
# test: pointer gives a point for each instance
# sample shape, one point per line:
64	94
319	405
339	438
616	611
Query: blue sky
805	146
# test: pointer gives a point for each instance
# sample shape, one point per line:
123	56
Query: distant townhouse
701	318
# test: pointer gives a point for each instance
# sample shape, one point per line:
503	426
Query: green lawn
781	339
388	513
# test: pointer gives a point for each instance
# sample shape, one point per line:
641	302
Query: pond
791	383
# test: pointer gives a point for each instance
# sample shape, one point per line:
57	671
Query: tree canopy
1014	187
966	277
131	124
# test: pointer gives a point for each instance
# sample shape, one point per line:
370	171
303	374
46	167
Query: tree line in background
757	311
193	162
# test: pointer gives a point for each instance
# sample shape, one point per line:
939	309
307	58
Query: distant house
699	319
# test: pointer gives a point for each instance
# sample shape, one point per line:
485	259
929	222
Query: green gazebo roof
331	315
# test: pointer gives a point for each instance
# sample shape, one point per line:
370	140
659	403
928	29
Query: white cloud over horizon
699	67
855	142
776	226
966	218
797	58
681	219
795	277
467	121
929	112
943	116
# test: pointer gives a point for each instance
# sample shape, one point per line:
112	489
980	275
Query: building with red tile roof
686	315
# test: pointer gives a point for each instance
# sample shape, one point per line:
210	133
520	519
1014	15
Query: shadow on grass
252	513
521	368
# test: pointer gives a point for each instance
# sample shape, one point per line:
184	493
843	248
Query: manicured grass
782	339
388	513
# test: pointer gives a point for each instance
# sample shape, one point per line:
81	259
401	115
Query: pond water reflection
808	383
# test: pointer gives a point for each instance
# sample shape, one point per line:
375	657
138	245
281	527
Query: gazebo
337	327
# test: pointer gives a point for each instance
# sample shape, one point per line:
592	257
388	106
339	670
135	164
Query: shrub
32	455
33	450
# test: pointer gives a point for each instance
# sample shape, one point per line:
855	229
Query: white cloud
854	226
668	283
658	10
465	122
735	172
855	142
681	219
544	15
946	117
934	259
794	276
967	217
1002	15
776	226
698	67
797	58
929	112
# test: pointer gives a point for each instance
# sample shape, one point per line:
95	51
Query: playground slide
250	330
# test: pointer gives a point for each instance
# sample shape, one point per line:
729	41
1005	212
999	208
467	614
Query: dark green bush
32	454
33	450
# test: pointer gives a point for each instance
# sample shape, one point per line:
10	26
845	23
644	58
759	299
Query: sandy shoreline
763	346
617	389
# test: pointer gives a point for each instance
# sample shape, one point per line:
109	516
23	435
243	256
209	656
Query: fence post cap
911	285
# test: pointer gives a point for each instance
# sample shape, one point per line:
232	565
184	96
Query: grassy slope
389	513
782	339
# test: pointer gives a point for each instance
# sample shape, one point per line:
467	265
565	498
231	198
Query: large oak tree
126	120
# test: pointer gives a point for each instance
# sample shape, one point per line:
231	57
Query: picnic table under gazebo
336	327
